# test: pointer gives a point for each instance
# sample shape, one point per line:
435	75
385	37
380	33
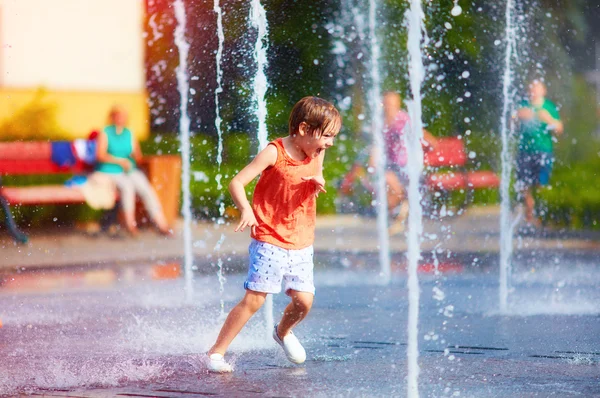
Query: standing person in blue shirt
540	122
118	153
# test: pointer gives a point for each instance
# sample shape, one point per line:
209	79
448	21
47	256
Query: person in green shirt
539	124
117	153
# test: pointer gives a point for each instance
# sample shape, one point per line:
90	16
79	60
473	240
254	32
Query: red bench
445	171
450	153
35	158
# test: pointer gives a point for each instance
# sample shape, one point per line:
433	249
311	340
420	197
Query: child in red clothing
282	222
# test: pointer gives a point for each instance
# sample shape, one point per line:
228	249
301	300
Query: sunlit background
64	65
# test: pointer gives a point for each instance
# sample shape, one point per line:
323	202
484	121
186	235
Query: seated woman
118	153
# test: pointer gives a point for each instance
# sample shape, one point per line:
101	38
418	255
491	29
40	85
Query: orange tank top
284	205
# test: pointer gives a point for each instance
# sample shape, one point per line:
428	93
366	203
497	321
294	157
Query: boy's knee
253	300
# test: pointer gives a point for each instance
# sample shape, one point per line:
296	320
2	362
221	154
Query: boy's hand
319	183
247	220
525	113
545	117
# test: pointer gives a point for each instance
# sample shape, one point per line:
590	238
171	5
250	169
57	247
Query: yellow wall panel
81	112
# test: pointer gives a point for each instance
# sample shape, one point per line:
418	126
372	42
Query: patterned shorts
269	265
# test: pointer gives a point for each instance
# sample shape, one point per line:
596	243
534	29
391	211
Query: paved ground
128	337
95	317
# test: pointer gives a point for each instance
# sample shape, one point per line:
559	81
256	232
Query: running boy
539	121
282	222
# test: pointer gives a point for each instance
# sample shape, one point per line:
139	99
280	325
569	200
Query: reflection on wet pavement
127	331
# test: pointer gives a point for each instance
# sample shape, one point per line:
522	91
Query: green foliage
34	121
581	120
574	198
485	147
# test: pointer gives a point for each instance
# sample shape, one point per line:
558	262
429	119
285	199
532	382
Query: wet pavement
127	330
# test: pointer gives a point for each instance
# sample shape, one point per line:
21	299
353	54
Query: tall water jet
376	111
183	86
506	132
219	89
258	21
416	73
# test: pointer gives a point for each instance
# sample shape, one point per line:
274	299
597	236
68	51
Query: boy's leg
529	204
295	312
237	318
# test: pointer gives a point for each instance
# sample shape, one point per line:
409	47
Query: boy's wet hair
320	115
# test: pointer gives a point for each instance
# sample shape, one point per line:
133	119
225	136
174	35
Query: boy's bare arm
266	158
555	124
318	179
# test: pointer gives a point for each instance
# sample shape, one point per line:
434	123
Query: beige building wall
86	54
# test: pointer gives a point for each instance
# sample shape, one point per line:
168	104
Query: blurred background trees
321	48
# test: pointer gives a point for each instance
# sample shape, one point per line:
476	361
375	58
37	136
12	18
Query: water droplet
466	74
448	25
456	10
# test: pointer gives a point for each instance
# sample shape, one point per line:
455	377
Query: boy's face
537	91
313	146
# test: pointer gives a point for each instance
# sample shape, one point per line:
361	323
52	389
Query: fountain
219	89
376	112
258	21
184	133
415	168
505	227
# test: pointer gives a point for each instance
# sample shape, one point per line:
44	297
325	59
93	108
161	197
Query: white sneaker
217	364
291	346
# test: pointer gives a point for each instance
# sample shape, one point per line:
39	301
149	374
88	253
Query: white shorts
269	265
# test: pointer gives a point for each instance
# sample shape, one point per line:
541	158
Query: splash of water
183	86
220	276
258	21
506	132
416	73
375	108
